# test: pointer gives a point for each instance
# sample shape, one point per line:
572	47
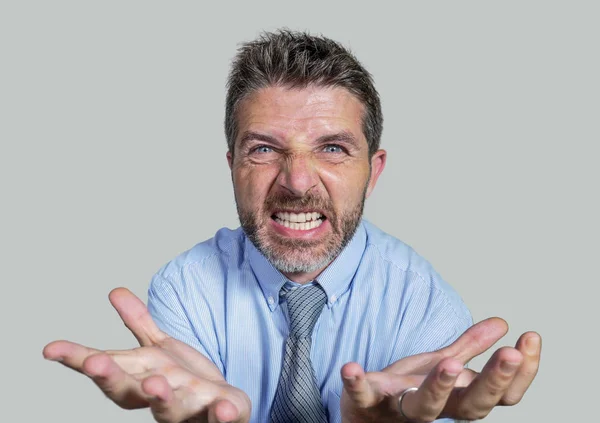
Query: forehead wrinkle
292	102
302	113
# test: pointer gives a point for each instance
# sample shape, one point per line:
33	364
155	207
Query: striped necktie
297	399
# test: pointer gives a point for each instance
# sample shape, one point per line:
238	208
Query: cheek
252	185
345	185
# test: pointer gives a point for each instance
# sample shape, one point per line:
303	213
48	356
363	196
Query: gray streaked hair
296	60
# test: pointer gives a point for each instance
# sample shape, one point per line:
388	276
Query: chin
297	265
298	251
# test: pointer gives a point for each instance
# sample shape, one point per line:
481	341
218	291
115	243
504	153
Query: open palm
174	380
446	387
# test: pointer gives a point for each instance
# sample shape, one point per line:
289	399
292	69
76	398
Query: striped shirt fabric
384	303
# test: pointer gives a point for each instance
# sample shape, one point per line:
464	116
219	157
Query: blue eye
332	148
263	149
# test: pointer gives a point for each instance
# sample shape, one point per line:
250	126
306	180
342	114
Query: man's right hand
177	382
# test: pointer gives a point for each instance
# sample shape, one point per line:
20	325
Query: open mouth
303	221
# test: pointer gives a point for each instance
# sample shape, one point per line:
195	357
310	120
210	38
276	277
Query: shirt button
333	298
271	300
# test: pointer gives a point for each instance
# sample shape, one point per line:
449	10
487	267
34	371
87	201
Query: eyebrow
249	135
343	136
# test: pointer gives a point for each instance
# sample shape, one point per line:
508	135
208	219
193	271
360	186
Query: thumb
136	317
358	388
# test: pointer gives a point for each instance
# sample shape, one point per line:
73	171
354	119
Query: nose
298	175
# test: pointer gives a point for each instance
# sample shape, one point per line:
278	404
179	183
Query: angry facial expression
301	171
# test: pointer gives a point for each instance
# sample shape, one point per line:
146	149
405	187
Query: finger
177	377
477	339
171	351
474	341
138	320
136	317
530	346
465	378
192	360
427	403
134	362
476	400
170	404
116	384
416	364
68	353
163	402
222	411
358	387
144	359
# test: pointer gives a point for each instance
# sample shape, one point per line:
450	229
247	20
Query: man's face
301	172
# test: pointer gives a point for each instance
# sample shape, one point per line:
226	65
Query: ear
229	159
377	165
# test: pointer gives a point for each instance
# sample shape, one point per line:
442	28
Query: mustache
312	202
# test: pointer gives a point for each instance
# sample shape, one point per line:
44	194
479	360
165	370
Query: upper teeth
298	217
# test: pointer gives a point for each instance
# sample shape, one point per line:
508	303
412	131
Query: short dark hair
297	59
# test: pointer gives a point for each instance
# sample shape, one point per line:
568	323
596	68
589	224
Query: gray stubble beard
344	228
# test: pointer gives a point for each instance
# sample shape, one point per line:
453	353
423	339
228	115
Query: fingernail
350	378
532	344
447	377
508	367
57	359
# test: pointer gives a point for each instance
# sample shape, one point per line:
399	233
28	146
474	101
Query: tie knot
304	308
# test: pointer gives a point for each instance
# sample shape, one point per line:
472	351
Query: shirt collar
335	279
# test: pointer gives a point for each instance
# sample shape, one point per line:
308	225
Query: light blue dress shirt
385	302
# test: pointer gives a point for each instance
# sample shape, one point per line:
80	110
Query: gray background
113	161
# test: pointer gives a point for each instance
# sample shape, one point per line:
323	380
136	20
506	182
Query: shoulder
394	251
430	313
403	264
208	256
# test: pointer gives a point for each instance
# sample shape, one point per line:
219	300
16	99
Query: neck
304	277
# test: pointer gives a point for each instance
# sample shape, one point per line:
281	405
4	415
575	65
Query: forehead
310	111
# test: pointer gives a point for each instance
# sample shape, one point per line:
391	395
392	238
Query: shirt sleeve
462	321
446	321
169	314
434	317
442	321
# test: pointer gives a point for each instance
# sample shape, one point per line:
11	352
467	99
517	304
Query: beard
289	255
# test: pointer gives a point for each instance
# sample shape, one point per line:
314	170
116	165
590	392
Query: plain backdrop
112	162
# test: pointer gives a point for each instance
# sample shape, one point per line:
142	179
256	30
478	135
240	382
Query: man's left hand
446	388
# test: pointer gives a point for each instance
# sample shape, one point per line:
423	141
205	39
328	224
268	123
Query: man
307	313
